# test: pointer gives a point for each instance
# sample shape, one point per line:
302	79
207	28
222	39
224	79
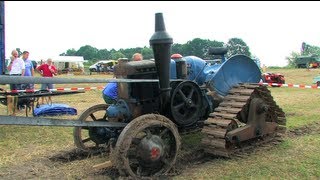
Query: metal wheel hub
186	103
150	149
101	135
147	146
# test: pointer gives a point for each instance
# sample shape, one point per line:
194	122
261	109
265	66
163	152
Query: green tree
116	55
310	50
147	53
292	59
88	52
69	52
237	46
103	54
129	51
177	49
196	47
199	47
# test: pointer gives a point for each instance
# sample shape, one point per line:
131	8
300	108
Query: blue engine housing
222	77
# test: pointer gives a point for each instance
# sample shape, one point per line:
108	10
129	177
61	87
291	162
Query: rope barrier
302	86
289	85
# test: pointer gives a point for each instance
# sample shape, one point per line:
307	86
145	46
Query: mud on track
56	166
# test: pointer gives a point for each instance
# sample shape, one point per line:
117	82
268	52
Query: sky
272	30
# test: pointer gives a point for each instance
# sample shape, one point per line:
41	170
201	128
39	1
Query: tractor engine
138	98
135	98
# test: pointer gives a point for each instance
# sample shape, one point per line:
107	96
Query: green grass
295	158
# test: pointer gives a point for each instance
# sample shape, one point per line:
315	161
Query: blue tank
222	77
173	70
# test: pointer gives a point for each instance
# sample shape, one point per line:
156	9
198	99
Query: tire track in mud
310	129
189	157
198	156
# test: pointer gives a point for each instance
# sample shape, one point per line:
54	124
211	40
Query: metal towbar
38	121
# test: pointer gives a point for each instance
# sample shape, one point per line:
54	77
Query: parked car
103	66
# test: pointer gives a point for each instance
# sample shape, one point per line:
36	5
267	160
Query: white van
103	66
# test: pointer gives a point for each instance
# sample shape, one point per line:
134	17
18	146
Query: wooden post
102	165
12	104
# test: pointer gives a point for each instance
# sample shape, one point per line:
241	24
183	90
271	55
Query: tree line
196	47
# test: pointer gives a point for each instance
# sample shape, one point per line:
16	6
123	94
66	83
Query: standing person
98	68
110	92
47	70
16	68
29	68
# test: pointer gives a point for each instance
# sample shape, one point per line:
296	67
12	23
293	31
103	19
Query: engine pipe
161	43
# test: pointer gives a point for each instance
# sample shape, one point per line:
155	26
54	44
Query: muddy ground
74	164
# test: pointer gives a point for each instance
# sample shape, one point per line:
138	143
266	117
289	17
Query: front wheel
147	146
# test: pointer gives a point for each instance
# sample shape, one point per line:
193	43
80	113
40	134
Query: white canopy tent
68	62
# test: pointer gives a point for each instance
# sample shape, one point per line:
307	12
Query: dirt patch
30	170
309	129
58	165
196	156
76	154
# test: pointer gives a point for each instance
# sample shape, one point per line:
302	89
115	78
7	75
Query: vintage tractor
276	78
224	101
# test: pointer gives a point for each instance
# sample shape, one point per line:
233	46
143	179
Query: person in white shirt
16	68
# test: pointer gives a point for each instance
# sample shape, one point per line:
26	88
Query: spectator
29	69
47	70
110	92
16	68
98	68
137	57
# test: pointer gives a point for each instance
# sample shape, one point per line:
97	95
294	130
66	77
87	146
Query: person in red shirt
47	70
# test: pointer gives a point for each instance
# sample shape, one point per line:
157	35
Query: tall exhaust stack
161	43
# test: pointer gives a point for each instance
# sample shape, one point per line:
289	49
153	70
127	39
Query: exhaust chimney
161	43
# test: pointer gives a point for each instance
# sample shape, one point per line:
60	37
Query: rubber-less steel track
232	113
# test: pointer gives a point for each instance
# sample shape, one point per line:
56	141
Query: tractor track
227	116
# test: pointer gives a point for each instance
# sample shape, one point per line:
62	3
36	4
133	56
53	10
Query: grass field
32	152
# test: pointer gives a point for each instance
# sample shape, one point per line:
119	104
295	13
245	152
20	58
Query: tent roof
68	59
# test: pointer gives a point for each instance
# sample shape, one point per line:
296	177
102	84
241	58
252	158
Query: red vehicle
273	78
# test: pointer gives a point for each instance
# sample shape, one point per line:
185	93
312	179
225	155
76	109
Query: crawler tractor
224	101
